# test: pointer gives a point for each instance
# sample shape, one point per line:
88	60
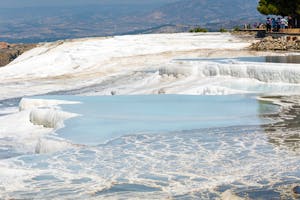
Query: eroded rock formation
9	52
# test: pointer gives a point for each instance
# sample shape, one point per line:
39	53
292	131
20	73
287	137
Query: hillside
225	13
40	24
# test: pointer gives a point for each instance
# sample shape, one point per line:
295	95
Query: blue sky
30	3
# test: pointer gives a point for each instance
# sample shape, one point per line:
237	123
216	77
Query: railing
261	32
252	29
291	30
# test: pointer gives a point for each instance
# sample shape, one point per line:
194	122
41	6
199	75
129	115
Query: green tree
281	7
267	7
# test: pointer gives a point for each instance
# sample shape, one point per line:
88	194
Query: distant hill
165	28
31	25
208	13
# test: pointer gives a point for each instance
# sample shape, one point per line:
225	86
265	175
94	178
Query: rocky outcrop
9	52
282	43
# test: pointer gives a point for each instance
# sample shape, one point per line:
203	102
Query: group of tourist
274	25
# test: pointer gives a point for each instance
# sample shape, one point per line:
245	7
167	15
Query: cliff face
9	52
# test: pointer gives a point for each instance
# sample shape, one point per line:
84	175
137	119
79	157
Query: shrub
236	28
199	30
222	30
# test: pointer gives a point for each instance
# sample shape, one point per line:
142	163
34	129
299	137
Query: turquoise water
106	117
163	147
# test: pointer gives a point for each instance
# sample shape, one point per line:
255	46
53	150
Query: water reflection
283	59
285	132
265	59
273	59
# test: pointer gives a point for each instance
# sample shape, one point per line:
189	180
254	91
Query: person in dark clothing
273	24
268	24
278	24
290	22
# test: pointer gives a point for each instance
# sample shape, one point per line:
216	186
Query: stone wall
283	43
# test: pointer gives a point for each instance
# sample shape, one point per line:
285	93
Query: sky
38	3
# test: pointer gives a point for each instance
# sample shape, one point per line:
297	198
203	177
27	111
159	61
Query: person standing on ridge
284	23
268	24
273	24
290	22
278	24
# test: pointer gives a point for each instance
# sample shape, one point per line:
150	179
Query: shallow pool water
273	59
106	117
266	59
158	146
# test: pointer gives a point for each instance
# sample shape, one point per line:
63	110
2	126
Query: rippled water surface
200	163
168	146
